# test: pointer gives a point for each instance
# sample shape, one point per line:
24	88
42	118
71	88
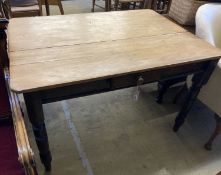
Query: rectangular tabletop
55	51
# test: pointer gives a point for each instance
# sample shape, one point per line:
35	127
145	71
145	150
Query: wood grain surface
50	52
41	32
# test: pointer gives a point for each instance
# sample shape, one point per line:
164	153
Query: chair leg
116	4
106	5
125	6
141	5
60	7
162	89
93	4
165	84
47	8
158	4
181	90
163	5
134	5
154	5
217	131
109	5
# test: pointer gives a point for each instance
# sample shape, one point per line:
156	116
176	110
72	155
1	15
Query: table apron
118	82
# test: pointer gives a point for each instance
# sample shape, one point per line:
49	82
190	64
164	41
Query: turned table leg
199	79
36	117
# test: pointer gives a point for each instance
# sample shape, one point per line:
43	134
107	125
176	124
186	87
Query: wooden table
60	57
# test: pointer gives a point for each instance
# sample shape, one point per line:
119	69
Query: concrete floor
112	134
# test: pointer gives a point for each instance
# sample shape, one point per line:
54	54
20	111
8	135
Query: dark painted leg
141	5
217	131
134	5
106	5
163	4
47	8
162	89
93	4
116	4
179	93
36	117
125	6
165	84
60	7
109	5
198	81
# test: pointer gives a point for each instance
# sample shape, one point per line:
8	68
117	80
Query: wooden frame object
47	4
107	5
33	10
160	6
83	61
125	4
25	153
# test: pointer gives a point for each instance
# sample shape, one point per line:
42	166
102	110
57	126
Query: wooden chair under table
47	3
125	4
107	5
25	8
160	6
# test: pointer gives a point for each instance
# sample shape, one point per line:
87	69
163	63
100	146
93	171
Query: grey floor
113	134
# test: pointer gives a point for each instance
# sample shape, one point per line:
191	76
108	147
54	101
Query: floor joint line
76	137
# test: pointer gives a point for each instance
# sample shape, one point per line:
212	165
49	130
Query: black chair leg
162	89
93	4
164	85
134	5
179	93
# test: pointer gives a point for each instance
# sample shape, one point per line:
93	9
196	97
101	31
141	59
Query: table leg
198	81
36	117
